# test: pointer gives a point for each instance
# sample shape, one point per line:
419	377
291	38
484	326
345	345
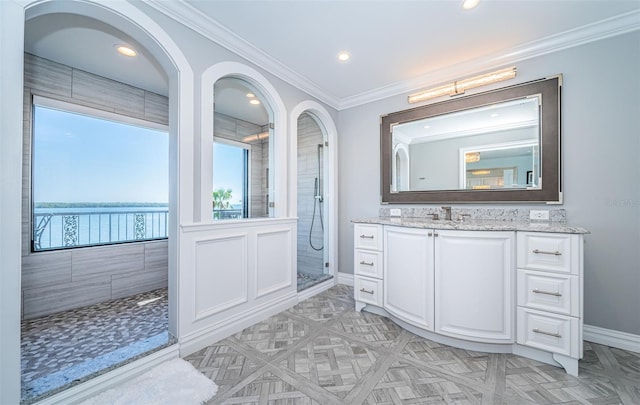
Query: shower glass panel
230	180
312	223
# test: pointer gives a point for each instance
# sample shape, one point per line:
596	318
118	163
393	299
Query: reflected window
243	152
230	180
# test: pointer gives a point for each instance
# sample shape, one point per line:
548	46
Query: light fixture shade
255	137
460	86
471	157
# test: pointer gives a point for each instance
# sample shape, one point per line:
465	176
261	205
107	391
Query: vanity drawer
368	263
368	290
554	333
549	252
549	292
368	236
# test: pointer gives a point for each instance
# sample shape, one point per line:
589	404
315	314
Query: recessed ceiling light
494	115
126	50
254	101
250	95
427	127
344	56
469	4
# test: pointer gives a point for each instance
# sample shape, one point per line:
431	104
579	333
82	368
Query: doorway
312	246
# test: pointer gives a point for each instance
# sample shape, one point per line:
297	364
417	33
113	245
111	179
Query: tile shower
312	224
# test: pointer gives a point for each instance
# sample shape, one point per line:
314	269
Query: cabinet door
408	275
475	284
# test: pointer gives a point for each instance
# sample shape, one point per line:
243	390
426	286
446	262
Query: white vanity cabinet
474	285
506	289
408	275
550	279
368	262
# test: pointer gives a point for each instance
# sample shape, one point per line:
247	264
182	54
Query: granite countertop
474	224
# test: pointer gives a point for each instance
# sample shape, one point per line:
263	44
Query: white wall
601	141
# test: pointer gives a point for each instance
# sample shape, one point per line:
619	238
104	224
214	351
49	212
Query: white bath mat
173	382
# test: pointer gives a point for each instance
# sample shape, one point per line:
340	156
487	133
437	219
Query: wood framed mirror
498	146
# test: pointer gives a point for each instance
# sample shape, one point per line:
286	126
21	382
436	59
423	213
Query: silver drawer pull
557	294
366	264
366	291
366	236
536	330
544	252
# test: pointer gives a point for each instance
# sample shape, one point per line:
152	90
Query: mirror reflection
491	147
242	152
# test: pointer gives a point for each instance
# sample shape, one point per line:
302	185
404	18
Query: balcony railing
231	213
60	230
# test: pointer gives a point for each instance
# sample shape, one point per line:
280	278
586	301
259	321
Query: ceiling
396	46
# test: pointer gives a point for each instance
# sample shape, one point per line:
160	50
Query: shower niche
312	224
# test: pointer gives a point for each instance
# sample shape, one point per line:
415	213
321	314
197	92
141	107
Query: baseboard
345	278
110	379
199	339
613	338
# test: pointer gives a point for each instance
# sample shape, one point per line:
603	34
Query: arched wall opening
135	23
277	116
329	193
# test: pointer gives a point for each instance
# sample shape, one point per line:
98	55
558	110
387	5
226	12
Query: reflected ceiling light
256	137
481	187
480	172
126	50
471	157
469	4
460	86
344	56
254	101
250	95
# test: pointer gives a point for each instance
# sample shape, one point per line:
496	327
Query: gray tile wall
60	280
310	135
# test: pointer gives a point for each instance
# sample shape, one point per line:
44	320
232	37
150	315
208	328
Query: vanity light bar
460	86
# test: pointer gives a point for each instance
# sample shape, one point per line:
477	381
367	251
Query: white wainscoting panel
221	273
233	274
273	258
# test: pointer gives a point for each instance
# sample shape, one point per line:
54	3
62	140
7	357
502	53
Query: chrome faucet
447	213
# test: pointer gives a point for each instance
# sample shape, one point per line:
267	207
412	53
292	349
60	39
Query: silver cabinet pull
544	252
536	330
366	236
366	291
557	294
366	264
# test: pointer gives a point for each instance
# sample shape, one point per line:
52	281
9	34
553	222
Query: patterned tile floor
323	352
69	347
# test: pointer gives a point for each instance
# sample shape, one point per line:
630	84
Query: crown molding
618	25
213	30
199	22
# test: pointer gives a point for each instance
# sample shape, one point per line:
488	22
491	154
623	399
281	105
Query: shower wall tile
45	269
130	284
156	107
102	261
51	299
43	74
99	90
156	255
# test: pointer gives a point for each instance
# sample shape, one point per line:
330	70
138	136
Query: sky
228	170
84	159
